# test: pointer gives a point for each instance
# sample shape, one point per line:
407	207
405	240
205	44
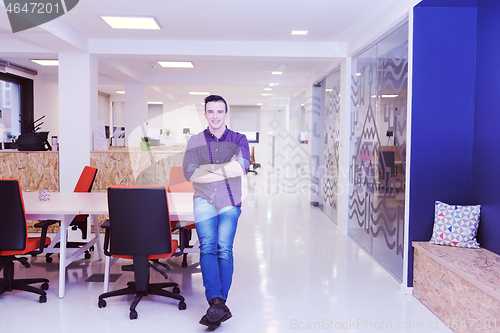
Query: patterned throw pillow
455	225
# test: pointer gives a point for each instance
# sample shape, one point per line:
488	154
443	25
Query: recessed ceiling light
267	94
205	93
276	73
386	96
120	92
358	74
299	32
328	89
268	89
176	64
131	22
273	84
155	103
259	103
46	62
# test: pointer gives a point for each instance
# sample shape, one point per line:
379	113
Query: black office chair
387	168
14	240
139	229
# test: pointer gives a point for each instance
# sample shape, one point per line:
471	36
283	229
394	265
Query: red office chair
178	183
84	184
252	162
139	230
14	240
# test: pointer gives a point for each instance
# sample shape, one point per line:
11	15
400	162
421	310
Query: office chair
387	167
139	229
178	183
84	184
14	240
252	162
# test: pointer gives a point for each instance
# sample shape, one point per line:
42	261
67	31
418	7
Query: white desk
64	207
180	206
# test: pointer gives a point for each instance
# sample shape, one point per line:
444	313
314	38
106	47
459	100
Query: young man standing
215	160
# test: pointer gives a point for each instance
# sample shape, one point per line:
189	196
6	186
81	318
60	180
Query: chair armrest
105	226
180	226
44	225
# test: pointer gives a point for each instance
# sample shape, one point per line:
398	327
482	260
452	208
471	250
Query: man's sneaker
218	311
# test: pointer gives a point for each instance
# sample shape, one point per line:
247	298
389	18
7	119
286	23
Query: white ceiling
234	45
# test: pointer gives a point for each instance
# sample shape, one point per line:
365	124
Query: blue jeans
216	229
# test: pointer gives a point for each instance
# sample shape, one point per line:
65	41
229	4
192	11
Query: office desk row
64	207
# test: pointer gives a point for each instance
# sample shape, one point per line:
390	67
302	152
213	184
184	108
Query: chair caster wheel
184	264
48	260
182	305
133	315
45	286
176	290
101	303
87	255
42	299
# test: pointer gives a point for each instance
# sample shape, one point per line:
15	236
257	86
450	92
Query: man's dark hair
214	98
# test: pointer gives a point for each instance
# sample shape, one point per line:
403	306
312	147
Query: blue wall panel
442	128
486	170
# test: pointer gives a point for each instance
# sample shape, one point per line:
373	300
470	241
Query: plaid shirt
205	148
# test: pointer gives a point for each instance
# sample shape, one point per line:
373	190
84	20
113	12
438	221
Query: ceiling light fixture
268	89
121	92
281	67
46	62
131	22
386	96
155	103
267	94
176	64
299	32
276	73
273	84
259	104
204	93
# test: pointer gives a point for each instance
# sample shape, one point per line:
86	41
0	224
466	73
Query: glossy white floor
293	272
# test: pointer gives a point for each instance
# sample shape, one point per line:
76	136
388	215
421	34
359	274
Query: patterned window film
331	147
378	149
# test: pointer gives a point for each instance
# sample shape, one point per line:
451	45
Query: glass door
378	149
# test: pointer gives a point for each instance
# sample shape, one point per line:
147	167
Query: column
136	113
78	114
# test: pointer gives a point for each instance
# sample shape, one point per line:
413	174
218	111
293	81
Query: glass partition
331	145
378	149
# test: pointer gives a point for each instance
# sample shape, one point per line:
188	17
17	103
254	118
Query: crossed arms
209	173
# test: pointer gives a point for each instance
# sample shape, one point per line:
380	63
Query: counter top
17	151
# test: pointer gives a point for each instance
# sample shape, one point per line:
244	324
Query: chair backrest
252	156
13	229
177	182
386	159
138	220
86	180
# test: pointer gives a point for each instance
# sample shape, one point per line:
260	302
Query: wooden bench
460	286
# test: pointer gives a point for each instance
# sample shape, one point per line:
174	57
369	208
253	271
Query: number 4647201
32	8
476	324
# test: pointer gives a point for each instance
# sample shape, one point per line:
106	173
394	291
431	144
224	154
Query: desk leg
95	220
63	231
